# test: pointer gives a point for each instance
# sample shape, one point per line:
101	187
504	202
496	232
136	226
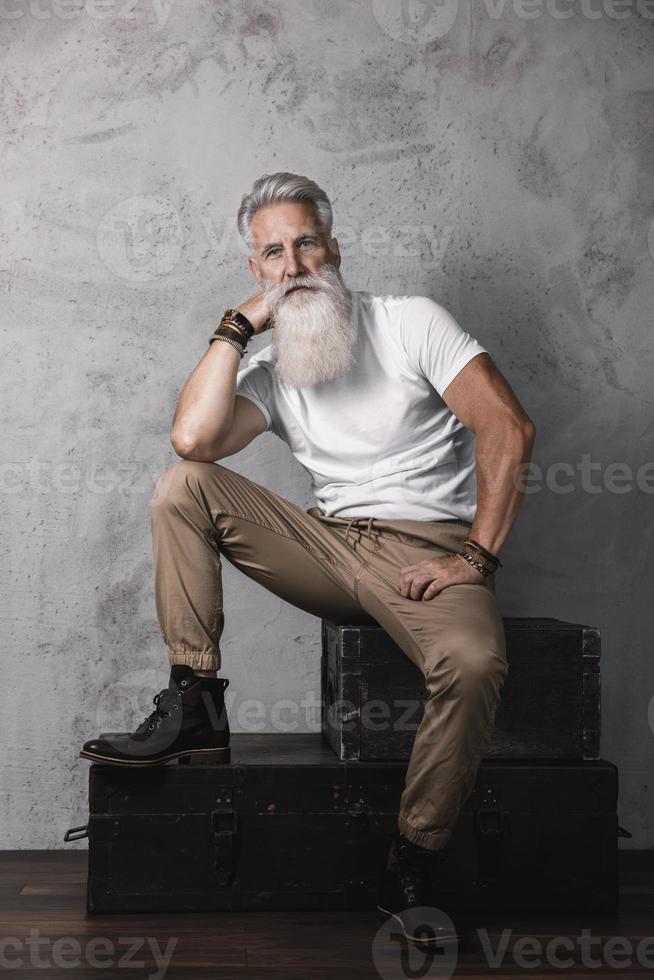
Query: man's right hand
255	308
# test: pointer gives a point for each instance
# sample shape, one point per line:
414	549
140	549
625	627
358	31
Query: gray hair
282	186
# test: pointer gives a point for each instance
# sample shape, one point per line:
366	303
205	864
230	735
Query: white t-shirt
380	441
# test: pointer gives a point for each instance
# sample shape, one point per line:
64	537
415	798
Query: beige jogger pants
343	569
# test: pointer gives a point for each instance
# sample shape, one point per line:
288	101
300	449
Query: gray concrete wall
495	156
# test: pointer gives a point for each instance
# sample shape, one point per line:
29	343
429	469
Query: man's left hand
429	577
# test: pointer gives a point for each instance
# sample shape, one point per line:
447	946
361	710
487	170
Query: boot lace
162	701
408	887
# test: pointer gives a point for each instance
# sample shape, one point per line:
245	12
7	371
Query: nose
294	265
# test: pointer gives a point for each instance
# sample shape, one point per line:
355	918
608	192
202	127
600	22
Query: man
413	439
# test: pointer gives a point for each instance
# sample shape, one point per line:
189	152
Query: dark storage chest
288	825
373	694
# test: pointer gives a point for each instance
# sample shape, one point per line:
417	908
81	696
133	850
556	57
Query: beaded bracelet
236	326
240	320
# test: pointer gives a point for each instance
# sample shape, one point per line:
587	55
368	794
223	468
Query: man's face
288	241
310	306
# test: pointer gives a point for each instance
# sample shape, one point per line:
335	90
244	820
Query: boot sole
455	938
190	757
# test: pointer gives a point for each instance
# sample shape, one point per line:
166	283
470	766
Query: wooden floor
45	930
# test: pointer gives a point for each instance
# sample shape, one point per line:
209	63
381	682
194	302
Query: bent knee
469	661
183	476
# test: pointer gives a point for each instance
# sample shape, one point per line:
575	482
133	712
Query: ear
254	269
336	252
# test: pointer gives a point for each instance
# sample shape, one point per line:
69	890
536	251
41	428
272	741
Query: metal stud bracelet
484	569
489	556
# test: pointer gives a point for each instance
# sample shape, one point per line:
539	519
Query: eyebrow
264	248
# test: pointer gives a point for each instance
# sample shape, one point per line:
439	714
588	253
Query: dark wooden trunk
289	825
373	695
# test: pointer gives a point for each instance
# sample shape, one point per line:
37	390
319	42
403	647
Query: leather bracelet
468	553
225	330
233	325
228	330
229	340
483	551
476	564
472	554
240	319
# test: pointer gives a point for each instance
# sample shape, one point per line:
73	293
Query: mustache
306	279
275	292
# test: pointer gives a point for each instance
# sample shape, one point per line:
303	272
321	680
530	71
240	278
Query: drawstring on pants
354	522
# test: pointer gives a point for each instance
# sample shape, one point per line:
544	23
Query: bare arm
481	397
211	421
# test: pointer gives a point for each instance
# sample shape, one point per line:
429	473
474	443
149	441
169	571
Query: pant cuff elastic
433	840
195	659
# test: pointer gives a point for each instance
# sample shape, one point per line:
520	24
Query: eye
273	252
308	241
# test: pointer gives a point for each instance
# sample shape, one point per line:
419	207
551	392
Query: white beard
312	329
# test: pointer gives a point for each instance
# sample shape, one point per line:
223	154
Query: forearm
206	404
501	456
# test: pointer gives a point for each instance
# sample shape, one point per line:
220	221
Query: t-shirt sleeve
254	382
436	346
